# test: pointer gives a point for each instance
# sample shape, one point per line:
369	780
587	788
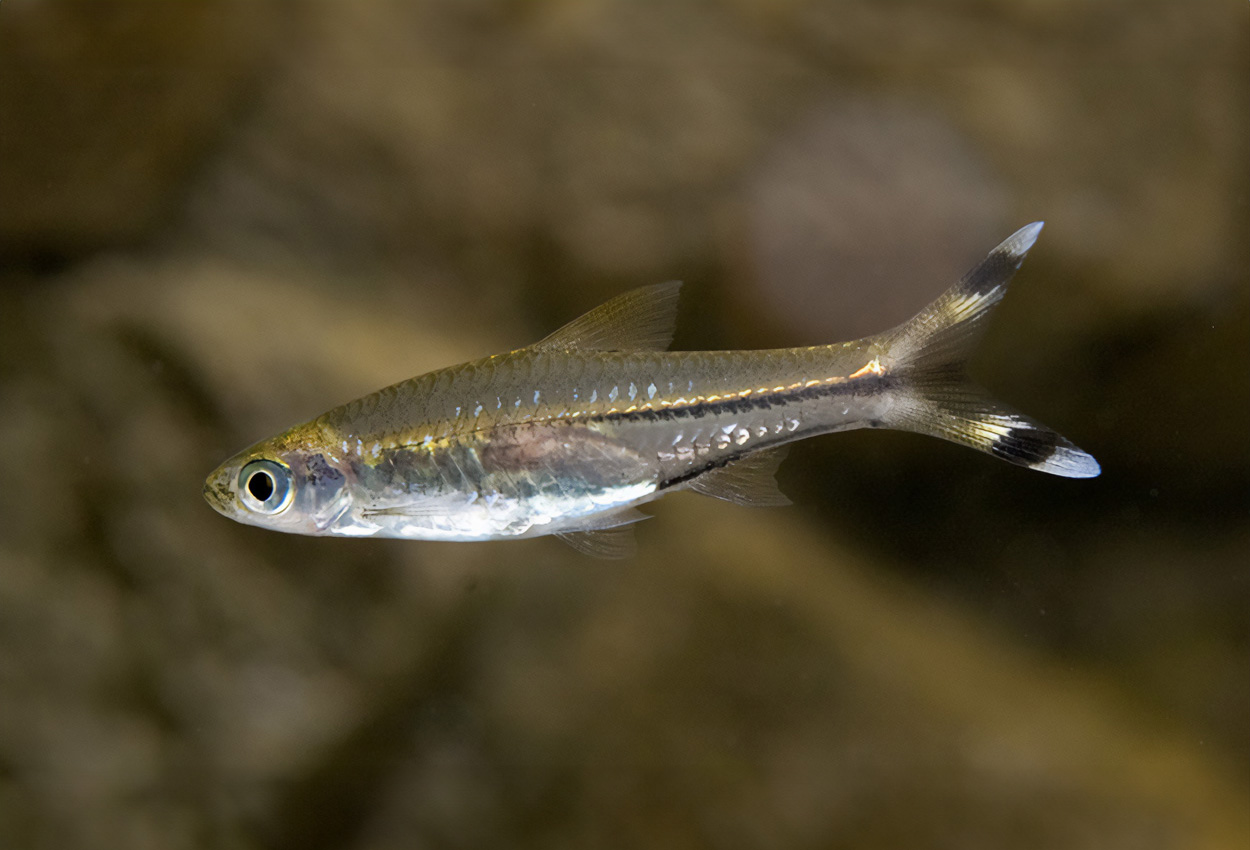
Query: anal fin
750	480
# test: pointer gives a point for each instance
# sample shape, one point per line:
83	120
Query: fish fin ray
967	415
751	480
608	536
642	319
933	394
947	330
414	509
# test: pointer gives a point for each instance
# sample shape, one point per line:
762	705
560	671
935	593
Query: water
218	224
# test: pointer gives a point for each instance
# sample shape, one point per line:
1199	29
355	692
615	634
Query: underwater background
223	217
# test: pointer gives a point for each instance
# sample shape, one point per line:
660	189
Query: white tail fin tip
1029	444
1070	463
1019	243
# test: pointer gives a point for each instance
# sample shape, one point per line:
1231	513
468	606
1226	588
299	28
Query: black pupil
260	485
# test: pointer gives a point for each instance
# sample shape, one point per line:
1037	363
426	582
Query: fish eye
265	486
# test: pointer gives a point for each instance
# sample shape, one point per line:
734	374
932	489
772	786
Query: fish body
569	435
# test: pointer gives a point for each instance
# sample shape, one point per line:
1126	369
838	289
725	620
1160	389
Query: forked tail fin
936	397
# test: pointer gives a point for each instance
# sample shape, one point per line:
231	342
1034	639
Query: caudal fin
936	397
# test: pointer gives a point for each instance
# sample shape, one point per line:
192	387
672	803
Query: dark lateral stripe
870	385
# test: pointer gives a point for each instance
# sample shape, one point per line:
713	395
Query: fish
570	435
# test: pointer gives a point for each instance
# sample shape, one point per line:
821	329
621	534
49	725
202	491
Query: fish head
281	487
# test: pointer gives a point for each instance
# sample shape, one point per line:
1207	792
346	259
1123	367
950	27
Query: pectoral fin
414	510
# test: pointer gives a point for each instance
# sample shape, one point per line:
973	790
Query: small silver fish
569	435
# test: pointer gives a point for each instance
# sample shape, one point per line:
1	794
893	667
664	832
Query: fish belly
510	481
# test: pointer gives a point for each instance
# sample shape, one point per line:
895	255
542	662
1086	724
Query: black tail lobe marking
1027	446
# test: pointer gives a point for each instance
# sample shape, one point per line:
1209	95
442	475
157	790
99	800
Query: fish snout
218	491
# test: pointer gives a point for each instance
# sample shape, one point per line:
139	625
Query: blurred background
220	218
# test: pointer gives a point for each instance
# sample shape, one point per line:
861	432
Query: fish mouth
218	492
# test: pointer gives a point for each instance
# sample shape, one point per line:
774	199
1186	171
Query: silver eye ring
265	486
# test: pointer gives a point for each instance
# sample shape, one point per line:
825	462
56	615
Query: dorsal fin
749	481
642	319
